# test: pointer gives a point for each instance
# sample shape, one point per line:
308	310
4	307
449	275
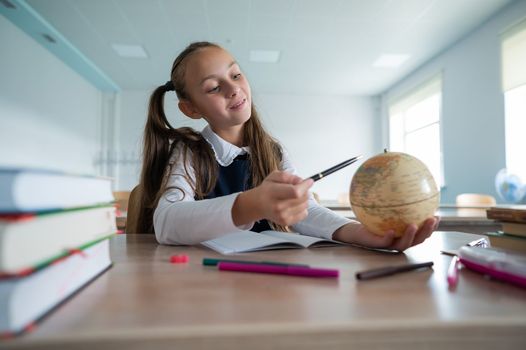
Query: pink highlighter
452	272
303	271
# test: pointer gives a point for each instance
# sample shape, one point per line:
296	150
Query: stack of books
54	231
513	233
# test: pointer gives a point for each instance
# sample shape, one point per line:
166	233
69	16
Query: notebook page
247	241
305	241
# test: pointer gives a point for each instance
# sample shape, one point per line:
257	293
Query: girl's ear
189	110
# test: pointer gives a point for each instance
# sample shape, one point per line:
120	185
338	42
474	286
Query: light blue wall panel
28	20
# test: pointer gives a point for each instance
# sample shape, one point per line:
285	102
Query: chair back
121	199
475	199
134	207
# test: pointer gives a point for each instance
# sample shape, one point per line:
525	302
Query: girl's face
217	91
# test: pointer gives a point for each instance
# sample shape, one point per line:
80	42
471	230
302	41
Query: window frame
513	71
398	108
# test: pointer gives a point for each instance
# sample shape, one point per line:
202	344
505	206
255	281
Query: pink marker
452	272
278	269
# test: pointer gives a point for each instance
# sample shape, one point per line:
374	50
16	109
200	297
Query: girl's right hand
281	198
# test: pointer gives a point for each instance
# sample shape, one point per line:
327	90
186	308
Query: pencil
390	270
334	168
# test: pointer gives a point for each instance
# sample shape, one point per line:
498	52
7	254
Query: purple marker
278	269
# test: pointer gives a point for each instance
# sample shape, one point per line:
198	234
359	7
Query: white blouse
180	219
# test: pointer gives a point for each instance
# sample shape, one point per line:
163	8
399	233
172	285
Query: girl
232	175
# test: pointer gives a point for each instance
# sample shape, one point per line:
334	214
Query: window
414	126
514	86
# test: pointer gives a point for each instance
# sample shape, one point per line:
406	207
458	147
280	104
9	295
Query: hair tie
169	86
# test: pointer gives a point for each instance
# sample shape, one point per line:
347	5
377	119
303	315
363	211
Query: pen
481	242
214	262
390	270
452	272
278	269
334	168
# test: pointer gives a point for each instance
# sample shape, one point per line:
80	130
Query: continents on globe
392	190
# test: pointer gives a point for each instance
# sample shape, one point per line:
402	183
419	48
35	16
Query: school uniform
181	219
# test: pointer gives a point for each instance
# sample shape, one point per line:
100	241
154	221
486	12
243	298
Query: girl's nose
234	90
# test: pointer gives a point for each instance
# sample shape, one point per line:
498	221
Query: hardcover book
27	240
508	242
27	299
514	228
512	213
33	190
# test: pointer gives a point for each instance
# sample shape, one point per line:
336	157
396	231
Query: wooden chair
475	200
121	199
132	216
121	203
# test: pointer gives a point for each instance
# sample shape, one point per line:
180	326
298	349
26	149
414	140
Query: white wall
49	115
321	131
472	106
317	131
132	110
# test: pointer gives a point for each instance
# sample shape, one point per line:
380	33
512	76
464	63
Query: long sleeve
180	219
321	222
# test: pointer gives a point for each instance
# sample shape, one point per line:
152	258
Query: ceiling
326	46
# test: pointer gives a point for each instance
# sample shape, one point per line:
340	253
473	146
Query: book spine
507	216
508	242
514	228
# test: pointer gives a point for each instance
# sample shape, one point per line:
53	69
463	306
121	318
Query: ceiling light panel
264	56
130	51
390	60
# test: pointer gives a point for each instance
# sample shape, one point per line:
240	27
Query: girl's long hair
161	138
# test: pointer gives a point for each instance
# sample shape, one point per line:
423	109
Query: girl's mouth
239	104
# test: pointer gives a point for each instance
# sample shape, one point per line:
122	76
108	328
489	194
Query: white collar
224	151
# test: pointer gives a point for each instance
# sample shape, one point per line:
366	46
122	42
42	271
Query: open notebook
248	241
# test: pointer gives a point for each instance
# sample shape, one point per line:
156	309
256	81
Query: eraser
179	259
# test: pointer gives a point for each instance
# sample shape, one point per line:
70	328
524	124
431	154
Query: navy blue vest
236	178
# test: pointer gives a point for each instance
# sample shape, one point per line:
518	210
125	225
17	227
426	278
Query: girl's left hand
357	233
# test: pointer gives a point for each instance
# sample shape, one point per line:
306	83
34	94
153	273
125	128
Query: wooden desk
452	218
472	220
144	302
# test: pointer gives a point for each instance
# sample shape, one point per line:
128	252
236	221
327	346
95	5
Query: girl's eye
216	89
237	76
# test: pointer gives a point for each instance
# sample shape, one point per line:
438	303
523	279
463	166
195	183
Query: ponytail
160	139
156	152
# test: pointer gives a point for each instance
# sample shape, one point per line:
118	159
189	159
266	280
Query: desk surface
447	212
143	301
452	218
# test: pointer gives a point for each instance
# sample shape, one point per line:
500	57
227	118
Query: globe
392	190
510	187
